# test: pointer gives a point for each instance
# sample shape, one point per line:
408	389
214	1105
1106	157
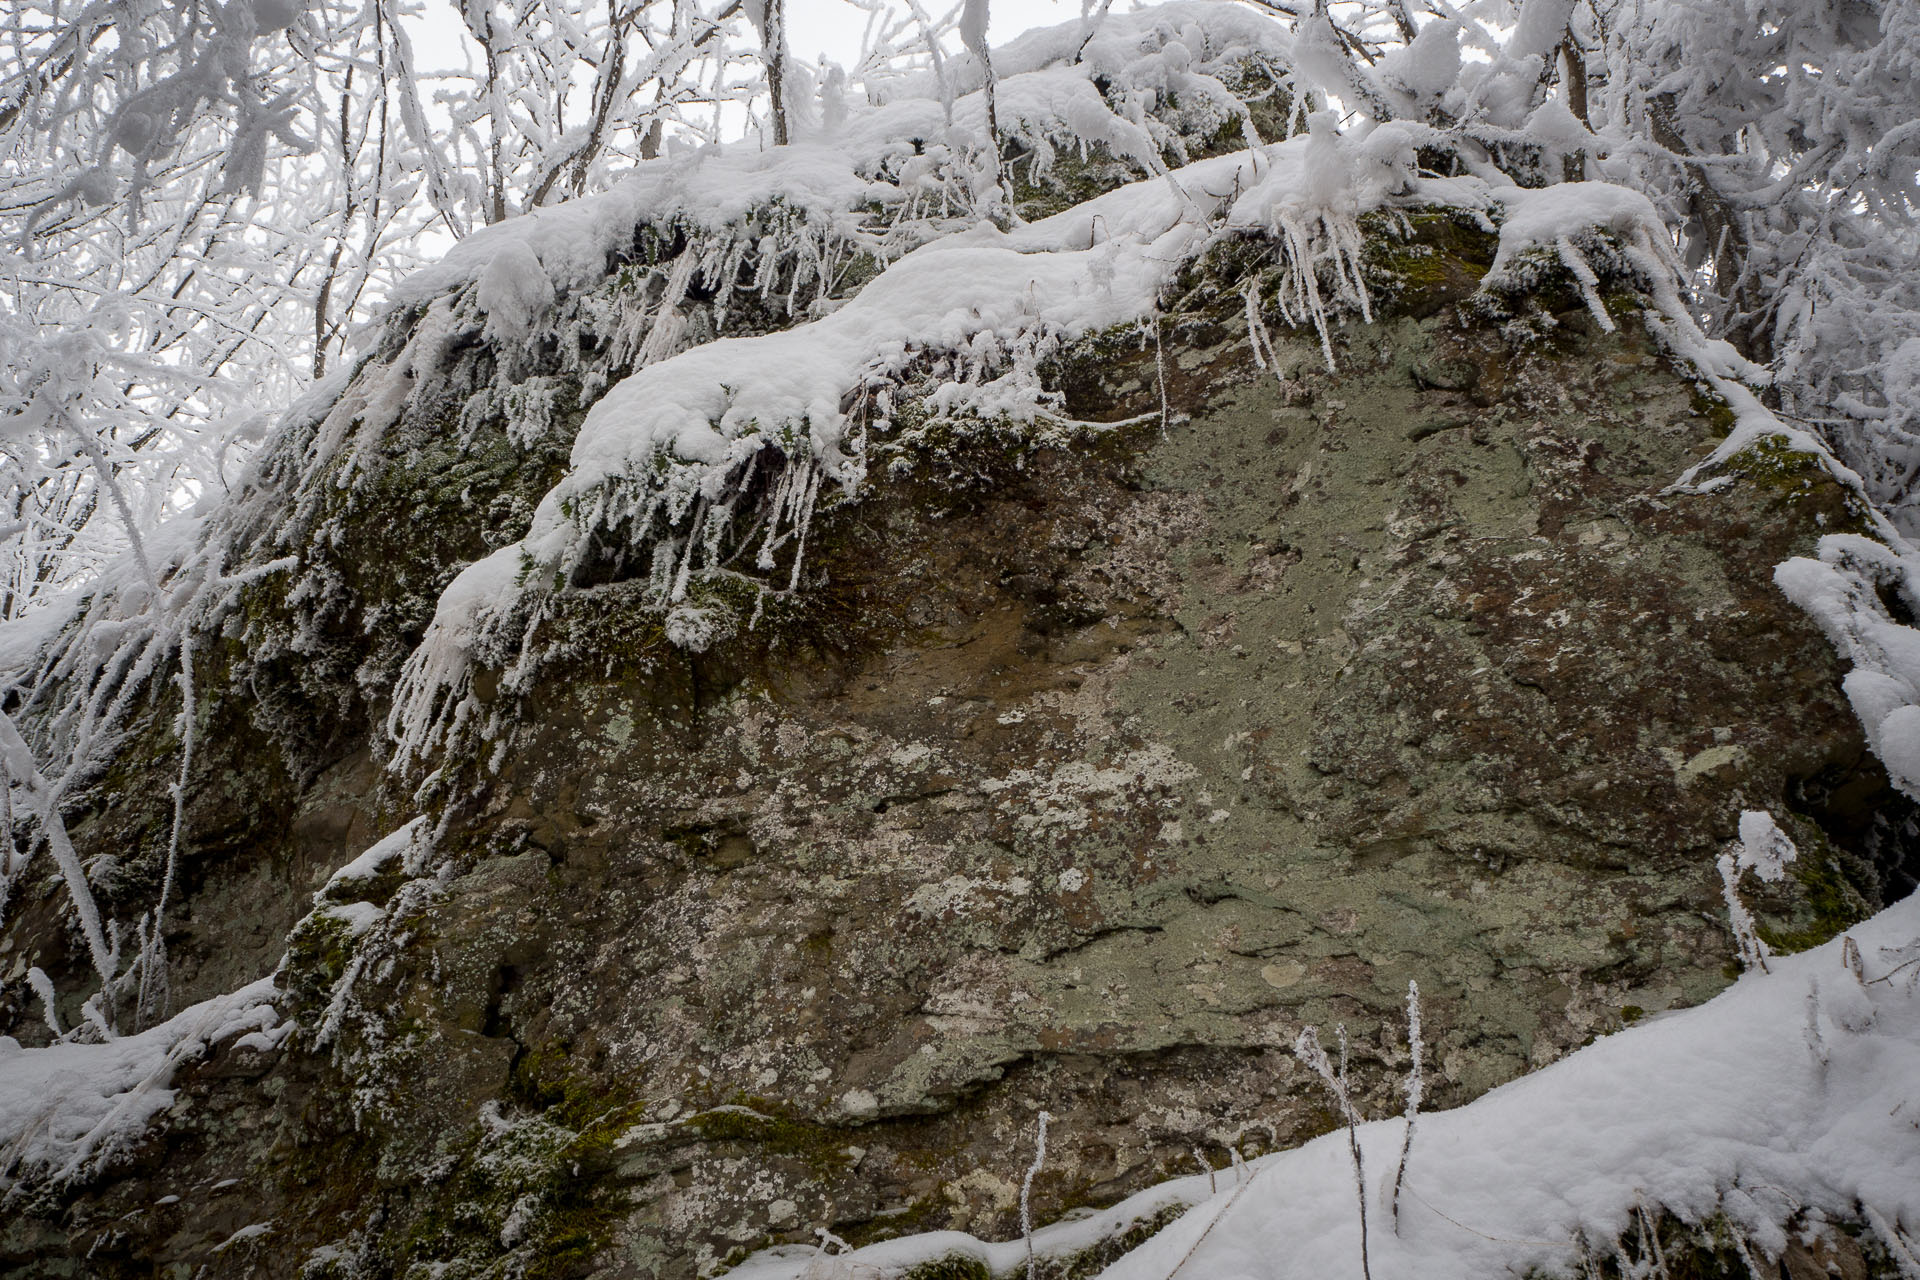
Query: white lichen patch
1070	797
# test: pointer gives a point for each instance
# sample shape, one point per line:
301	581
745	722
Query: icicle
43	987
729	275
769	251
1576	263
783	498
693	544
664	332
803	520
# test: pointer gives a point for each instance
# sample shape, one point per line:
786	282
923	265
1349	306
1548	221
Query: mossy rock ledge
1081	776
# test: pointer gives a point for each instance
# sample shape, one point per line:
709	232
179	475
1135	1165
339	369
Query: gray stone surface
1082	776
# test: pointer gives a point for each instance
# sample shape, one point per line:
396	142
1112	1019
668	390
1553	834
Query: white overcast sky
814	27
832	27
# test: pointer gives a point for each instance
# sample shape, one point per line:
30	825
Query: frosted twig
1160	369
1200	1159
1026	1189
1896	1240
1306	1047
43	987
1816	1043
1746	1255
1415	1091
1650	1238
1746	936
1850	957
150	1005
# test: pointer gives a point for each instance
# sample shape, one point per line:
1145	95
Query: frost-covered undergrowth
68	1108
1791	1099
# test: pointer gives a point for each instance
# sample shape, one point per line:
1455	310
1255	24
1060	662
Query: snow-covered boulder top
904	146
660	458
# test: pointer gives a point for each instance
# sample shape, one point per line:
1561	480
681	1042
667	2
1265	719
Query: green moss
966	453
1415	265
1795	477
1831	905
1096	1258
761	1123
1715	409
546	1079
954	1266
1072	180
318	952
527	1190
1622	304
860	270
531	1181
1266	100
1535	284
1772	463
1218	279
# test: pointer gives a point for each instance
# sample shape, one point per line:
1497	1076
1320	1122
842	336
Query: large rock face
1084	773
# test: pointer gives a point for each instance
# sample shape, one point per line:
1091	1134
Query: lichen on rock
1083	759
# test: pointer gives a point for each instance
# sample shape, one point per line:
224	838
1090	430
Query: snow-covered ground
1793	1095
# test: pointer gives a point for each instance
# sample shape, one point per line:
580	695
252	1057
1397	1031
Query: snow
252	1231
67	1108
1559	216
1839	589
1430	65
384	850
1783	1094
973	26
1764	848
669	443
1542	25
876	156
358	917
514	290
